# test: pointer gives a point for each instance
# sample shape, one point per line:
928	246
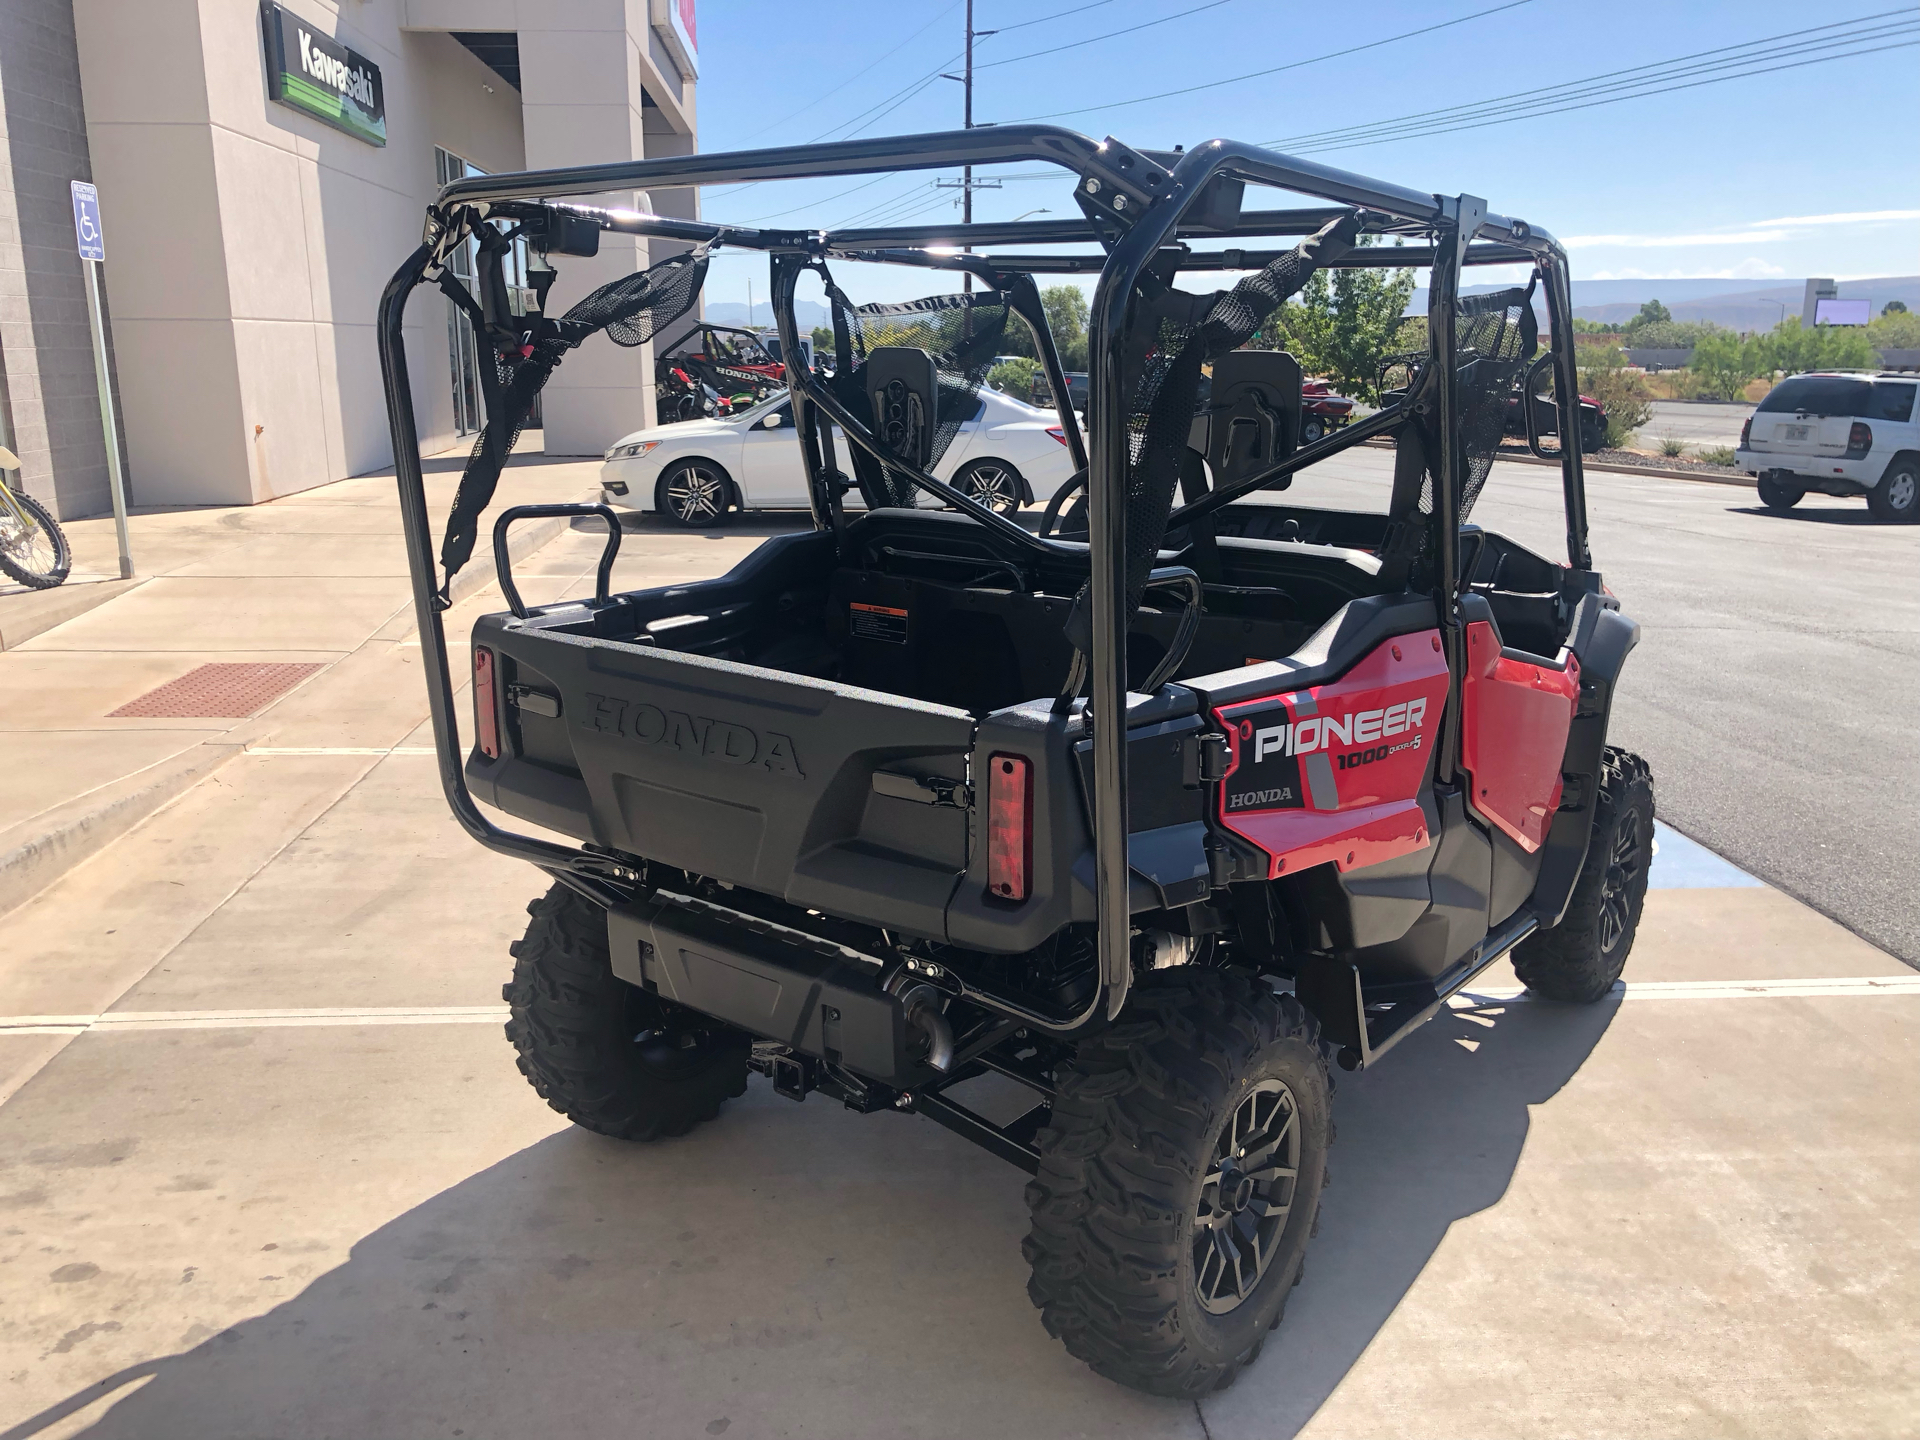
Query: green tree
1793	348
1066	307
823	341
1894	307
1894	329
1724	363
1651	313
1342	325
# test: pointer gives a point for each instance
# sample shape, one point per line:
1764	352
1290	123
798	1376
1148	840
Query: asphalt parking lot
267	1168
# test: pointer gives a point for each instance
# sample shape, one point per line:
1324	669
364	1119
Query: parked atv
730	361
1158	824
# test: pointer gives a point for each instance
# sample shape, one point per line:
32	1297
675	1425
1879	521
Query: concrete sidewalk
318	578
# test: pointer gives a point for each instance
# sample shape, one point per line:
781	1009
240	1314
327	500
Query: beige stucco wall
251	241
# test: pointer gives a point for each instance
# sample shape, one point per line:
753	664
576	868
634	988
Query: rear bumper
1833	474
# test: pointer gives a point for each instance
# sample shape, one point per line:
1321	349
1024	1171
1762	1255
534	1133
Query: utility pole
967	183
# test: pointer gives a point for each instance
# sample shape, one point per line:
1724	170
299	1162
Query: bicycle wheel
33	548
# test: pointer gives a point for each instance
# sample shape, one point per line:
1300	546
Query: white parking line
250	1019
1718	989
341	750
125	1020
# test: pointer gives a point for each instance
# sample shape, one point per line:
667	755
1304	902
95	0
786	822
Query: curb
37	611
39	850
1589	467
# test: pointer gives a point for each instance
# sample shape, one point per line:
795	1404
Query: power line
1058	14
1587	94
1111	34
1277	69
863	70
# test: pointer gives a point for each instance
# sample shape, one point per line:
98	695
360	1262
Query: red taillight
1746	430
486	705
1057	433
1009	826
1859	440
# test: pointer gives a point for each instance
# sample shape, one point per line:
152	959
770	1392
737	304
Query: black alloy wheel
694	494
1626	865
994	483
1246	1197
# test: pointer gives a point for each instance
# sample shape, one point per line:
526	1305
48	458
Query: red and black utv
1158	814
729	362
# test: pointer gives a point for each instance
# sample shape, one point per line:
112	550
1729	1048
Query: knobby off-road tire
1579	959
34	553
607	1055
1130	1178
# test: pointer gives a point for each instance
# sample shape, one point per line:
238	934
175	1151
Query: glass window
1819	395
1892	401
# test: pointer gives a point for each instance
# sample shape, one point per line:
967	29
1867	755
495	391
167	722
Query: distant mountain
734	312
1737	304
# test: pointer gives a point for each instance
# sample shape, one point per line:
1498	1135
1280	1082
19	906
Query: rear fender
1602	640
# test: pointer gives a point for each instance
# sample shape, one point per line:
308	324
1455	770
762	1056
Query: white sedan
697	472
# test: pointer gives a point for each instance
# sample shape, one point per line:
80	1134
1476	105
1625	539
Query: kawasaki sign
313	72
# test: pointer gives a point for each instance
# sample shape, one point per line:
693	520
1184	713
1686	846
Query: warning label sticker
877	622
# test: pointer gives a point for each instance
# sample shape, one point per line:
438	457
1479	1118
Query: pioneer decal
698	735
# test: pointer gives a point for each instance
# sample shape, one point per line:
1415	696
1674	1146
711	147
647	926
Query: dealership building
262	169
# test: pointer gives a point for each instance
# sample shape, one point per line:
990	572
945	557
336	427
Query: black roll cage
1138	205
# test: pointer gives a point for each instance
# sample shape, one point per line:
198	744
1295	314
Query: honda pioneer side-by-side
1162	809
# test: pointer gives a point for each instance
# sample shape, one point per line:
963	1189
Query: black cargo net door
962	333
631	310
1495	336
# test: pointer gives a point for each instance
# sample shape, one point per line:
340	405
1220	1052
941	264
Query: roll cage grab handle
1174	184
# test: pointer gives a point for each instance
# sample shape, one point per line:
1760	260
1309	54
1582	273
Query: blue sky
1804	171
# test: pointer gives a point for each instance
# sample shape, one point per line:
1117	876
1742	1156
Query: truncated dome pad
224	691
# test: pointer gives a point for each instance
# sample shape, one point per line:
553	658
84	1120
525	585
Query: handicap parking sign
86	222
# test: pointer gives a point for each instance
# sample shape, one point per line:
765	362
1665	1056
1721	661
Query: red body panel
1334	772
1513	732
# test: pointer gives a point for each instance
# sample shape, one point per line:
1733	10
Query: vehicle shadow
1855	514
802	1270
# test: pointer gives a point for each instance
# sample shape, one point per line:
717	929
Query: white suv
1839	435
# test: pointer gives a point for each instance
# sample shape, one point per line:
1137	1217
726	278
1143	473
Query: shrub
1672	447
1672	334
1715	454
1620	391
1015	376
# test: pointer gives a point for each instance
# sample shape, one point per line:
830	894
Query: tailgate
751	776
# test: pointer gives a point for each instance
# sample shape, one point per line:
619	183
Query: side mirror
772	422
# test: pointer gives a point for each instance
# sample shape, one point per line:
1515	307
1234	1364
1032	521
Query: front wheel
994	483
1897	496
694	494
1777	494
33	547
1579	959
1180	1178
607	1055
1311	429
